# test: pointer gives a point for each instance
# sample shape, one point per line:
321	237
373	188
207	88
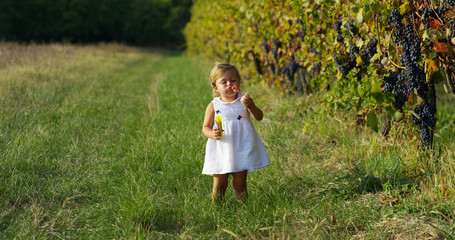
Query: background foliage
353	57
137	22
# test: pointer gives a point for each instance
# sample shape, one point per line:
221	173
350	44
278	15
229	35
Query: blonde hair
219	69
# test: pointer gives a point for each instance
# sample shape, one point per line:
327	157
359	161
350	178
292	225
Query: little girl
237	150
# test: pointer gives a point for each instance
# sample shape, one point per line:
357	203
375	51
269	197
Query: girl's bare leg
220	183
239	183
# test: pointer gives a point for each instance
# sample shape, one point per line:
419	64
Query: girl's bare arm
208	123
252	108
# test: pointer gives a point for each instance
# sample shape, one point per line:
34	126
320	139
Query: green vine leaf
372	121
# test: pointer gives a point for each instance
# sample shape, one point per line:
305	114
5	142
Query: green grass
105	142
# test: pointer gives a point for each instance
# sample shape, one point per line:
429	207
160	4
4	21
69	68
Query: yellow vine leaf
377	55
359	43
360	16
425	35
359	60
430	68
404	8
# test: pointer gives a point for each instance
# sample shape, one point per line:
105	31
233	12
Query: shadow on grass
161	220
350	185
164	52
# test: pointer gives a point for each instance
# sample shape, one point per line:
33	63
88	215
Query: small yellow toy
219	123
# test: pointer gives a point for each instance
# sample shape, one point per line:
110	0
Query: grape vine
387	56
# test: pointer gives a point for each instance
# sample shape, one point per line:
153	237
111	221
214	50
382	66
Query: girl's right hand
216	133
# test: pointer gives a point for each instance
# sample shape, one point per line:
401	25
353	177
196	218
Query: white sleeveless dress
240	148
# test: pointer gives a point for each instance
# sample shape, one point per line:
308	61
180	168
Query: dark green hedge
135	22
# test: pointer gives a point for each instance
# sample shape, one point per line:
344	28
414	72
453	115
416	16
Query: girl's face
224	85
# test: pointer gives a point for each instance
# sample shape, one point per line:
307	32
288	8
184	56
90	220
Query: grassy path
104	142
70	118
98	141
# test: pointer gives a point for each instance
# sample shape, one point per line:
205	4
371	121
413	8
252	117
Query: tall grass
105	142
68	115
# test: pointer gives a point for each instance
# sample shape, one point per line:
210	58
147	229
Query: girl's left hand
252	108
247	101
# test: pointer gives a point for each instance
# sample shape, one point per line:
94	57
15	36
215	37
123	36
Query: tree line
135	22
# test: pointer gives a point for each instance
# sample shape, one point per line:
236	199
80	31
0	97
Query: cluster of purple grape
313	49
343	63
416	78
405	36
410	41
353	50
337	27
289	71
257	62
369	51
265	45
403	82
426	121
396	82
315	69
347	63
391	80
372	47
302	30
276	45
396	19
400	93
290	22
291	38
352	29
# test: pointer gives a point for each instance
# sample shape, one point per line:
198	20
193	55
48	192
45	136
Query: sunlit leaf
359	43
421	26
397	116
358	60
375	57
360	16
404	8
425	35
